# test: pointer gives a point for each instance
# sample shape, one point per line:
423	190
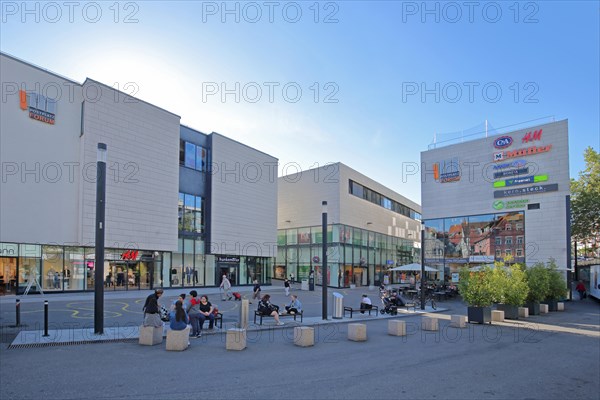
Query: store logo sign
40	107
525	191
531	136
503	142
529	151
447	171
510	204
129	255
521	180
511	172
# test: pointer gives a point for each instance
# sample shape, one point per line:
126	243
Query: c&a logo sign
40	107
503	142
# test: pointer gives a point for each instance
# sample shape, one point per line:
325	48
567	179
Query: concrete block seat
458	321
357	332
430	324
150	335
497	316
178	340
235	339
304	336
396	327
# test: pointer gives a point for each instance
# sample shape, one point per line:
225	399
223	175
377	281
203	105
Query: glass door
8	275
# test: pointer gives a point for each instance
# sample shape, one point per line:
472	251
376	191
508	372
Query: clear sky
365	83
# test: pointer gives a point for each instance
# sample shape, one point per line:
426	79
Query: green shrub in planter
477	288
557	286
512	289
538	281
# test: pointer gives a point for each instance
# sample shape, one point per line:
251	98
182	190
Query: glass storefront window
317	234
281	238
345	235
357	237
52	268
280	255
176	265
304	255
188	262
209	274
29	268
198	268
292	236
163	280
292	255
304	236
74	267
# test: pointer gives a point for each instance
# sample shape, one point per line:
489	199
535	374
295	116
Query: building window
498	253
508	240
519	226
519	252
372	196
508	227
520	240
192	156
190	213
498	241
508	252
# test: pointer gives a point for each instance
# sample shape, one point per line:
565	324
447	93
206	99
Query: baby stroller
391	303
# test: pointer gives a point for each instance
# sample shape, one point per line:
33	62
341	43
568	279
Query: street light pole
100	225
324	272
422	265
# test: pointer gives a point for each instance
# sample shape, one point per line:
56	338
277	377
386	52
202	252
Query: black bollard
46	318
18	310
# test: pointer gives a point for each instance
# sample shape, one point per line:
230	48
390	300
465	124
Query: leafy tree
585	201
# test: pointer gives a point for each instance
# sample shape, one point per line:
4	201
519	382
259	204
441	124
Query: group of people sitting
183	312
265	307
196	310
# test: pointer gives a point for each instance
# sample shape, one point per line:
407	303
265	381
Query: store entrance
127	275
231	272
360	276
8	275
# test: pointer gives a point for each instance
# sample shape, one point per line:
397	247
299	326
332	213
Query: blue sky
360	66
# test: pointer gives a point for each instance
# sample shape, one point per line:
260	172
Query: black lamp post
99	259
324	272
422	265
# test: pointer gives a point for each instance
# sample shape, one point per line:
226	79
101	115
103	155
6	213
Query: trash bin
338	305
304	285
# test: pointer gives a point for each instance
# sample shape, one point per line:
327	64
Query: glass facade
53	268
451	243
355	256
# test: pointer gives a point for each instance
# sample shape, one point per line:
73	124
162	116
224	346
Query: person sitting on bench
266	308
295	306
365	304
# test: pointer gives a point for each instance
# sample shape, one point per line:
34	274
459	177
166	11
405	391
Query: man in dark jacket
151	309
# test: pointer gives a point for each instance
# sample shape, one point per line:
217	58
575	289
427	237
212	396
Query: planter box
534	308
479	315
552	305
510	312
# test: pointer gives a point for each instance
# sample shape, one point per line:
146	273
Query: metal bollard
18	311
46	318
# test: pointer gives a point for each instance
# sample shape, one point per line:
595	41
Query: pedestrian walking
581	289
286	285
256	290
226	286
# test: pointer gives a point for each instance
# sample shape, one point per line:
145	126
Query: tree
585	203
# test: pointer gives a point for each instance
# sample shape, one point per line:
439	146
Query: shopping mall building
182	207
498	196
370	228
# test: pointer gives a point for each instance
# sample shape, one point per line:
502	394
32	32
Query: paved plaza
551	356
